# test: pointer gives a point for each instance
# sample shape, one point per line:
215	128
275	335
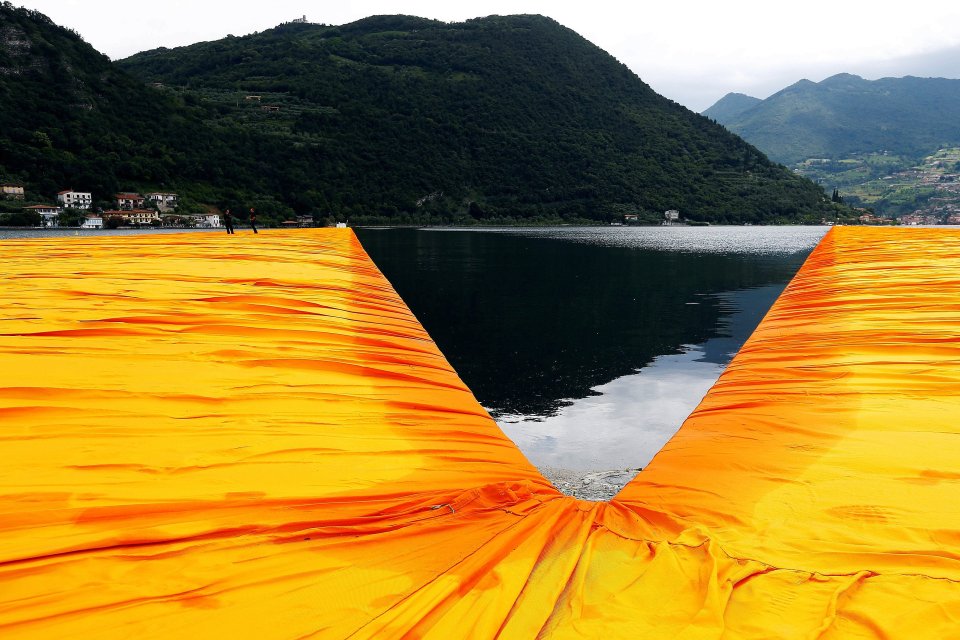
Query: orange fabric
253	437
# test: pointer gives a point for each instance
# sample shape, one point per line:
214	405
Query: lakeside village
132	210
926	193
159	210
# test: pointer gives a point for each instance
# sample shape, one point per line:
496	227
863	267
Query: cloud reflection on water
629	419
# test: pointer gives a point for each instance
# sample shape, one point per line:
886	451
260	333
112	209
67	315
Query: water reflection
534	318
741	240
629	419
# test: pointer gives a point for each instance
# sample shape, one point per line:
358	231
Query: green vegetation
19	218
389	119
845	173
731	106
884	144
69	117
846	115
71	217
893	185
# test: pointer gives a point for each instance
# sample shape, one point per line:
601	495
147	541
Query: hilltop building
71	199
11	191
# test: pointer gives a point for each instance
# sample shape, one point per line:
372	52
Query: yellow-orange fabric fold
244	436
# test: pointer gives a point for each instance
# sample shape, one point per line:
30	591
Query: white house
48	213
75	199
206	220
164	201
127	201
92	221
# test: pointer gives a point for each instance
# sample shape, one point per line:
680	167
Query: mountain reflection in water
626	422
590	346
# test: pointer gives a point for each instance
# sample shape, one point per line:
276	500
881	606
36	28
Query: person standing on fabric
253	220
228	221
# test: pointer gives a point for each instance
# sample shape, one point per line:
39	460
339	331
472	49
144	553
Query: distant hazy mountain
940	63
730	106
845	115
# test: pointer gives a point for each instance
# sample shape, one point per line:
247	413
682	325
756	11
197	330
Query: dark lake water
590	346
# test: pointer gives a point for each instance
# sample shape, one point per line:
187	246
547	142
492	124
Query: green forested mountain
890	144
391	117
727	108
846	115
69	117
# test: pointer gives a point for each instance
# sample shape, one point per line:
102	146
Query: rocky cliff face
35	50
68	117
15	49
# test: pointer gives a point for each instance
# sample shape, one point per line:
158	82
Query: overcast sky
692	51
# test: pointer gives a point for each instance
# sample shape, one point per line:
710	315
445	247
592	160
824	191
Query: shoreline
595	486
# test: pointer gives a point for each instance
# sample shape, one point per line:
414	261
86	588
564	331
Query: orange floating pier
253	437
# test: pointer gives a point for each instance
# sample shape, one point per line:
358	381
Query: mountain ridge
404	119
846	114
731	106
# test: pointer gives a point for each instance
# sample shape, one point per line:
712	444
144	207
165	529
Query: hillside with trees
730	106
887	144
70	117
392	119
846	115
